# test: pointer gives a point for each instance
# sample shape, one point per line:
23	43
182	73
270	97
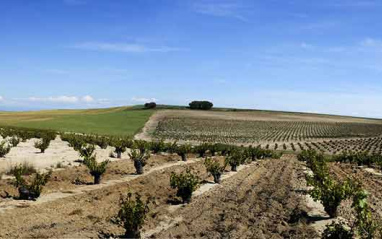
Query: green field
124	121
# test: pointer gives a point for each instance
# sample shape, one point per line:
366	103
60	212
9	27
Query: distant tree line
201	105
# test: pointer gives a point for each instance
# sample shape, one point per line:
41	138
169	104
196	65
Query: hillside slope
124	121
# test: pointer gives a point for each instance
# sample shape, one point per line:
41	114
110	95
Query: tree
150	105
201	105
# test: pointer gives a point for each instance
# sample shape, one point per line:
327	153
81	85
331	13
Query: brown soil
89	214
63	180
370	182
256	203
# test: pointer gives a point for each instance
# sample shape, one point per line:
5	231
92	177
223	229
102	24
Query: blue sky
314	56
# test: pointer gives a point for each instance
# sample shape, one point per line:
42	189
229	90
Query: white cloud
55	99
64	99
123	47
219	9
143	99
371	42
87	99
305	45
1	98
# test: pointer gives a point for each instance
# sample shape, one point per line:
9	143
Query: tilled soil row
256	203
90	214
57	188
63	179
370	182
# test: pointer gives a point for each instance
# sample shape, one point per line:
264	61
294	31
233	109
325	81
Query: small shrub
120	147
60	165
185	183
215	169
42	144
337	230
183	150
365	225
213	148
102	142
86	151
329	192
201	149
158	146
234	159
75	141
254	152
141	145
132	215
30	191
306	155
96	169
171	147
24	169
4	149
140	160
14	141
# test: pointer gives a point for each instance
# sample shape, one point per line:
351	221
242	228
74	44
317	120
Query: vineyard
61	184
250	132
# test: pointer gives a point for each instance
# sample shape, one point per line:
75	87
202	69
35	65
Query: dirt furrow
256	203
90	214
11	204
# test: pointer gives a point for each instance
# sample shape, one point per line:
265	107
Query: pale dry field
58	152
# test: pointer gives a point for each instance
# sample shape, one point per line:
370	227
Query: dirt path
257	203
151	125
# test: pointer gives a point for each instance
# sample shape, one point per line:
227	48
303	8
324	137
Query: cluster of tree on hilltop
194	105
